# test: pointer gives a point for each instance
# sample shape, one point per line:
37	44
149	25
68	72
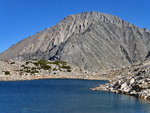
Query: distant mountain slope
91	40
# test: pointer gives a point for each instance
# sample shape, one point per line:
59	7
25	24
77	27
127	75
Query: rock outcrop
90	40
132	80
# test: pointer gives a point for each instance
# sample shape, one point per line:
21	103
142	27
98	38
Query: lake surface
65	96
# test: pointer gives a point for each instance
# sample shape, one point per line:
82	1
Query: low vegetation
58	63
12	63
65	67
68	70
34	66
7	73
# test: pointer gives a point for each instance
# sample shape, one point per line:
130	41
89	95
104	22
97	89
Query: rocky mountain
90	40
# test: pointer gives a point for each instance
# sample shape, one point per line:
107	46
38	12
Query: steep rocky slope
91	40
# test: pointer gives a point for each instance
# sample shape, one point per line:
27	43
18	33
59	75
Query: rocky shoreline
133	80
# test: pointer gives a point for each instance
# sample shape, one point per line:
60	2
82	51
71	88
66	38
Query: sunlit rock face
90	40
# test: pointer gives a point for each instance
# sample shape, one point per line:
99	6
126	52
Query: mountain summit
90	40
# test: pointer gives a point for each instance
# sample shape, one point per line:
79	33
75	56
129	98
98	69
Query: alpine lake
65	96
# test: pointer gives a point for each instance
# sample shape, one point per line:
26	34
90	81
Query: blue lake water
65	96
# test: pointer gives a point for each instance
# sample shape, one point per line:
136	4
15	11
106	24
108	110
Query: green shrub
7	73
36	63
38	68
12	63
20	73
22	65
58	62
21	69
54	69
68	70
46	67
28	71
26	67
27	62
42	62
33	68
65	67
34	71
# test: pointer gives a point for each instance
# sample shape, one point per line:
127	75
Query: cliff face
90	40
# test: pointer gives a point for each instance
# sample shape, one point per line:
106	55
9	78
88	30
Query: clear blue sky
22	18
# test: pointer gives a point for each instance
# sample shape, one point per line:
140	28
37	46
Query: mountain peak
94	16
91	40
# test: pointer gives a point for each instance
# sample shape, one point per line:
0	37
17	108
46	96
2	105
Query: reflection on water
65	96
